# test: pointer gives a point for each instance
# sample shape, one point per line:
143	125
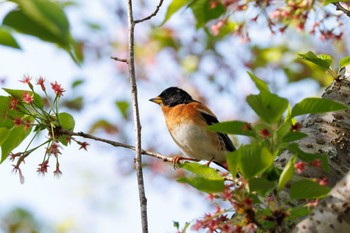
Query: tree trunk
328	133
332	214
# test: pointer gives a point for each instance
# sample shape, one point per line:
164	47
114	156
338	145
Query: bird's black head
172	96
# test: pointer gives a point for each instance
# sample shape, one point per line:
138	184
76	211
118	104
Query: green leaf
123	107
316	105
4	133
308	157
187	224
283	130
64	140
204	12
324	61
104	125
232	162
288	115
77	83
164	38
326	2
23	24
7	39
233	127
268	106
66	121
344	62
76	50
253	160
38	101
176	225
16	135
45	20
272	173
173	7
308	189
47	15
6	115
261	185
299	212
286	174
293	136
259	83
75	103
204	178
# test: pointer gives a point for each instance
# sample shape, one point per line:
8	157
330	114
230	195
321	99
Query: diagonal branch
156	155
117	144
151	15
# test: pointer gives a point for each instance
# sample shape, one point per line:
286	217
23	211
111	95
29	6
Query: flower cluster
216	221
27	110
220	219
57	88
300	166
280	16
298	14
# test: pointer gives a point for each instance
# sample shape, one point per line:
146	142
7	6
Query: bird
187	121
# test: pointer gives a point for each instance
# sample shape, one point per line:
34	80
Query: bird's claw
177	159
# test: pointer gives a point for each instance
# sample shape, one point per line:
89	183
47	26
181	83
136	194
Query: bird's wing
210	119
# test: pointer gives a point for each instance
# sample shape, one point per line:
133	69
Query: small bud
57	89
26	79
265	133
40	82
27	98
300	166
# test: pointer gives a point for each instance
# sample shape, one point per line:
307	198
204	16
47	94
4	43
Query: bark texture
328	134
332	214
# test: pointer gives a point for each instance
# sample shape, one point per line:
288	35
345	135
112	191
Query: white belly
195	142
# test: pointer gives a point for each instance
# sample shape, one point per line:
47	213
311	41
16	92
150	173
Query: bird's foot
209	162
177	159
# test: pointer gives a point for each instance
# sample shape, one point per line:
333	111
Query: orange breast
184	113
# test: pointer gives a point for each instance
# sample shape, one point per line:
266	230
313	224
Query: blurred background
98	191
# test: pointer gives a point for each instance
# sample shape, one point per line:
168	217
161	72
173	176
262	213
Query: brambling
187	121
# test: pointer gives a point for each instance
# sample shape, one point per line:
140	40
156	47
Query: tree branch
117	144
339	7
156	155
120	59
151	15
137	124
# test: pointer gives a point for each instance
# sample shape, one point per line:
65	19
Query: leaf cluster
42	19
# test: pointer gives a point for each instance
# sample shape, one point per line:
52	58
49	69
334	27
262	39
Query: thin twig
151	15
339	7
117	144
120	59
137	124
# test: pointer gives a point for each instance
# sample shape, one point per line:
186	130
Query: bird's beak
156	100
